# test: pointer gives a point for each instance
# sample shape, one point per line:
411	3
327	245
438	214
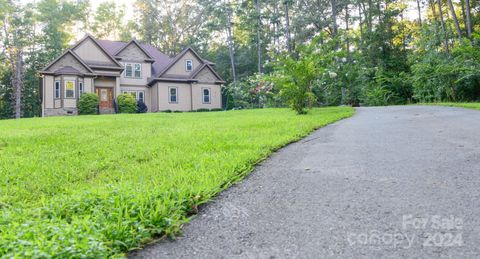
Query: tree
107	21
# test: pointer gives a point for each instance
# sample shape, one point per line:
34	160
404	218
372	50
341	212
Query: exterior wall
89	51
215	96
88	84
48	92
104	82
68	60
179	67
62	105
183	97
187	95
147	93
146	73
154	98
206	76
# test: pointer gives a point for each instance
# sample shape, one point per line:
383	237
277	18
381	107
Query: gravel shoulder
399	181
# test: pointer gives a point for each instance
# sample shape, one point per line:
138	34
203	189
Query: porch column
117	86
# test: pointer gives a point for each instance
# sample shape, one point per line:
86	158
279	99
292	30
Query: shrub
141	107
88	104
167	111
216	110
203	110
126	103
178	111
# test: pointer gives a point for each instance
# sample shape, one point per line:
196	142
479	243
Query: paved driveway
401	181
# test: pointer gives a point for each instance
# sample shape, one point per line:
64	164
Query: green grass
95	186
475	106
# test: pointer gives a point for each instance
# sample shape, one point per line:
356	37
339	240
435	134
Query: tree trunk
455	20
469	20
439	3
259	40
334	18
18	82
276	26
419	13
347	39
434	10
360	22
287	27
231	45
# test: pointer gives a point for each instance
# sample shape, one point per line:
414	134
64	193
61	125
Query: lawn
93	186
475	106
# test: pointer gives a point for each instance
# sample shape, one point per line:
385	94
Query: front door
106	99
105	95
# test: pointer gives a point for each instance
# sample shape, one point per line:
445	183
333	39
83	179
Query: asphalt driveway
400	181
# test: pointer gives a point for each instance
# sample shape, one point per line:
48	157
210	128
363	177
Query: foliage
141	107
94	199
88	104
126	103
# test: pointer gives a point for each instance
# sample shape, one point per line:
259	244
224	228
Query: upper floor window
133	70
172	94
69	89
188	65
57	89
206	95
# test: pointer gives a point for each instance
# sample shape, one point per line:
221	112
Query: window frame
186	65
57	93
170	94
81	89
143	96
209	95
65	89
137	94
133	70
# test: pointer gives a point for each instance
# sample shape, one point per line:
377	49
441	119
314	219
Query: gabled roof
176	58
88	36
134	41
209	67
69	51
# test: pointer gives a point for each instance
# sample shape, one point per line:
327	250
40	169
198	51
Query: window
173	94
188	65
138	70
206	95
139	95
133	70
128	70
57	89
69	89
80	88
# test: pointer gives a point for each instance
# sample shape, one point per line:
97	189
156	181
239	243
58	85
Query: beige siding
179	67
154	98
48	88
89	51
88	84
206	76
57	103
132	53
68	60
215	96
183	97
146	73
104	82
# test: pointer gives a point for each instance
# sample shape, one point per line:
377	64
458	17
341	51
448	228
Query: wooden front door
106	97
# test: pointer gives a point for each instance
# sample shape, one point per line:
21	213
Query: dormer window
133	70
188	65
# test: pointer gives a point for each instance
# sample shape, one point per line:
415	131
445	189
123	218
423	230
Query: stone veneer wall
60	112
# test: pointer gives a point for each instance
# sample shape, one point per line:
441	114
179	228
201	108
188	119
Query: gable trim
177	58
206	65
69	51
138	45
88	36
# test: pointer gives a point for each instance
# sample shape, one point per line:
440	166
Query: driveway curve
400	181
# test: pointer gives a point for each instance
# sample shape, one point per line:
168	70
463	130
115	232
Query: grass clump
96	186
475	106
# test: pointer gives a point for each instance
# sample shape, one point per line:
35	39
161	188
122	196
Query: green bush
216	110
126	103
88	104
203	110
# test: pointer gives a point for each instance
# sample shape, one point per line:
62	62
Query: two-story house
185	82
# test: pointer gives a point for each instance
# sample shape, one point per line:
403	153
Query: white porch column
117	86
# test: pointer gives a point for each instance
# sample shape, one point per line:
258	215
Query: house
185	82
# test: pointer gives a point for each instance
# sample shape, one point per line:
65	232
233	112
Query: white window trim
81	88
209	95
132	65
170	94
186	65
65	89
55	89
